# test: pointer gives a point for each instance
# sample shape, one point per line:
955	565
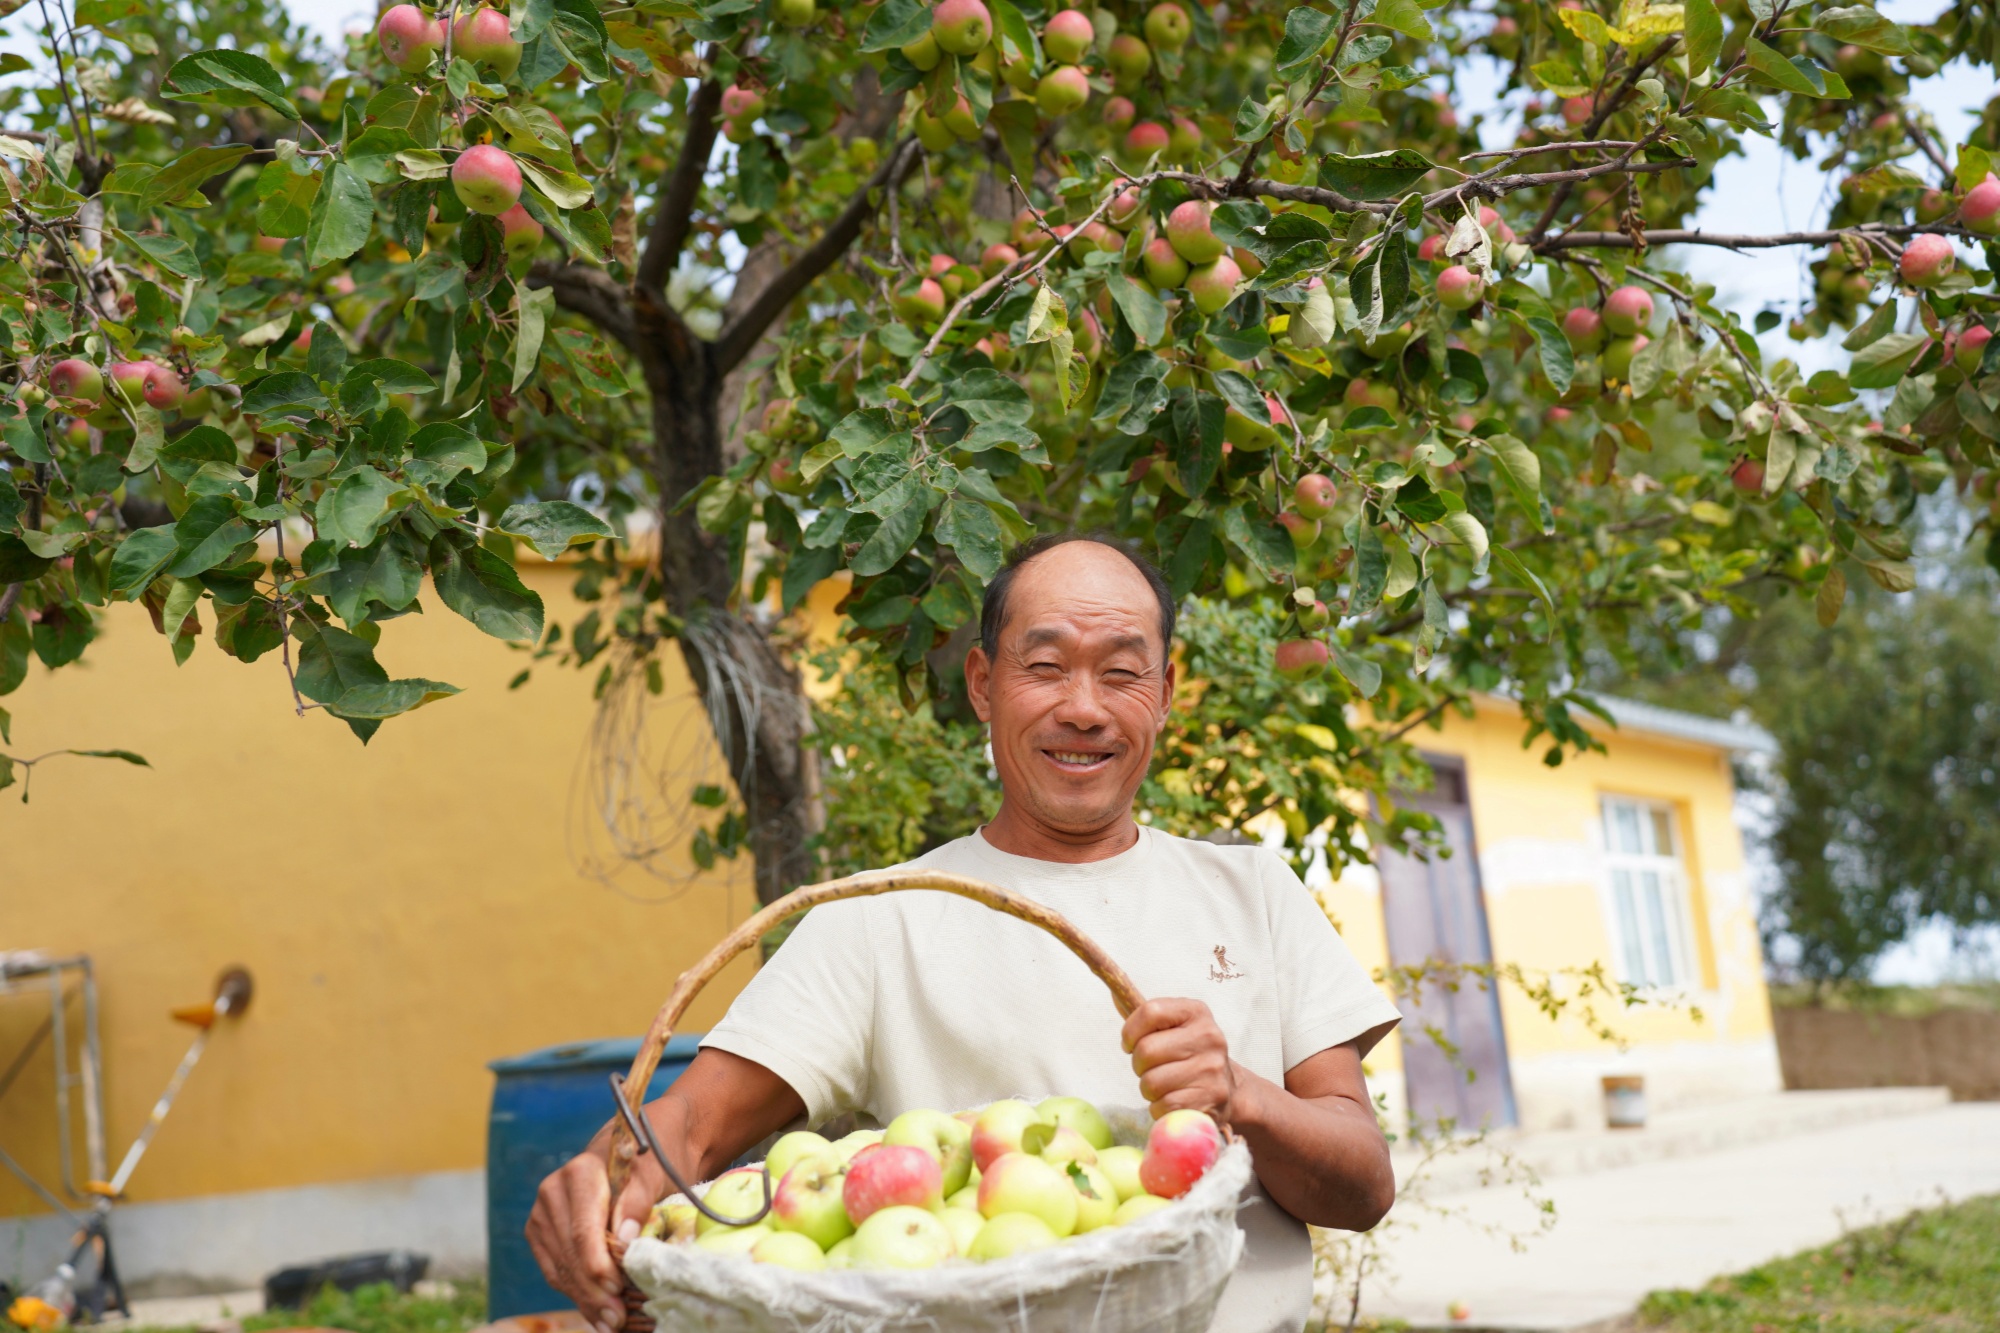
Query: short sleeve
1325	997
807	1016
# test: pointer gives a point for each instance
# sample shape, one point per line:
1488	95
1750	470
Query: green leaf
394	376
206	535
1525	577
897	533
188	172
1406	17
534	306
553	526
1799	75
804	571
1143	311
353	511
1367	176
970	529
1558	360
139	560
332	662
1521	468
343	214
388	572
1306	31
1882	362
1365	676
1011	31
233	78
485	589
19	564
169	252
565	189
449	446
988	396
1237	390
1862	26
1371	569
288	390
285	199
203	444
389	698
1703	34
896	24
1871	329
580	30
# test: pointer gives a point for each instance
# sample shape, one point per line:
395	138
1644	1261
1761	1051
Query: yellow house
414	909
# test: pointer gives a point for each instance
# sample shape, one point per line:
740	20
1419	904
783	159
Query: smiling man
925	999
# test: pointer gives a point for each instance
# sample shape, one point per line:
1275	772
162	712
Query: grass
1935	1270
1892	1001
379	1308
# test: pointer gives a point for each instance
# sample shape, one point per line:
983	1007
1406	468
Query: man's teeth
1075	757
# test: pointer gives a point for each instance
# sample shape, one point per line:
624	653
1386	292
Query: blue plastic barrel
546	1106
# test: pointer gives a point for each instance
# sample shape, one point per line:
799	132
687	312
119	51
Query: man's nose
1082	705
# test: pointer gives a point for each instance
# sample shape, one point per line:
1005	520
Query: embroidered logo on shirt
1223	969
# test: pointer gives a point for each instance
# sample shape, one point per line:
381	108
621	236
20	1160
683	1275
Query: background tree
1413	418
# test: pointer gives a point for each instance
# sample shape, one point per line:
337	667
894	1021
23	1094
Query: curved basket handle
625	1150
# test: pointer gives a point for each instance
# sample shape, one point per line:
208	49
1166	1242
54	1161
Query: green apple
732	1240
1009	1234
788	1249
841	1255
1096	1196
855	1142
793	1148
1121	1164
737	1193
963	1224
999	1129
1137	1207
900	1236
965	1198
1058	1144
1018	1183
1080	1116
946	1139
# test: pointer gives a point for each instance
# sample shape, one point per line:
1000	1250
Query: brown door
1436	910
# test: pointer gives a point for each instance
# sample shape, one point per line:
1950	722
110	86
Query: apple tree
735	296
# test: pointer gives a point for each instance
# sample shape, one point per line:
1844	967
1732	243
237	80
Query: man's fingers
1171	1045
1154	1015
1204	1081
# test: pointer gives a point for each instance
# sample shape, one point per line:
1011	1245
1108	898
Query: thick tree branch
742	333
590	292
675	210
1493	187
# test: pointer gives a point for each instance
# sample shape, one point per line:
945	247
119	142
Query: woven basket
1162	1274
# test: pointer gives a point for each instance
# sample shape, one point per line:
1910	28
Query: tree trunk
750	692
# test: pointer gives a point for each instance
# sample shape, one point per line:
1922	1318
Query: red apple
1068	37
998	1130
1971	348
1933	206
1314	495
1297	659
408	39
1926	260
1145	139
888	1176
486	180
1124	208
1062	90
1189	232
1584	328
1184	139
76	380
1431	249
1119	113
520	234
1304	531
76	433
1028	235
1577	110
1748	476
1980	209
962	27
1129	59
996	258
921	303
1627	311
809	1200
269	245
158	386
1164	266
1459	288
1183	1144
483	38
740	103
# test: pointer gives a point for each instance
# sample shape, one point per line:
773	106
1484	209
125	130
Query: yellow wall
409	909
1538	846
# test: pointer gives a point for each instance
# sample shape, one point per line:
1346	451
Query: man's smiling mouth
1079	761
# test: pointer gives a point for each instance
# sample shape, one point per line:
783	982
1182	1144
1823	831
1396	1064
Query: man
1260	1017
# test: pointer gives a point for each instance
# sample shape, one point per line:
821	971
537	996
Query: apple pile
932	1188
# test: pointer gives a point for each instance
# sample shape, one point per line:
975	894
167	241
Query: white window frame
1646	897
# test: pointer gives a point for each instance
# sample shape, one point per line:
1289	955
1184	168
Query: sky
1764	190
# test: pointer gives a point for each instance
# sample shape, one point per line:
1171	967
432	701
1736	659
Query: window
1648	892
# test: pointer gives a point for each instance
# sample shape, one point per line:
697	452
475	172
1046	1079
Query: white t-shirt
879	1005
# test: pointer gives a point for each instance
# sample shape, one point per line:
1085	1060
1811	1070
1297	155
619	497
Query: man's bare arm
1317	1148
719	1106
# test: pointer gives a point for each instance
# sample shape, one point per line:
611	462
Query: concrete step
1477	1163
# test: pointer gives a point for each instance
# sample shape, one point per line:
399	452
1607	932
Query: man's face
1079	690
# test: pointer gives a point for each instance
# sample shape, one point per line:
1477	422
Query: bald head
1075	561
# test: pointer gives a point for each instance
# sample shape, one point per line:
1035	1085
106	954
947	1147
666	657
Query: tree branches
741	334
675	210
590	292
1615	240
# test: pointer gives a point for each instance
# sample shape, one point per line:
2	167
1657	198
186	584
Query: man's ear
1167	679
978	680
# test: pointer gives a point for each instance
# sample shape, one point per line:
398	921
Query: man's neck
1018	834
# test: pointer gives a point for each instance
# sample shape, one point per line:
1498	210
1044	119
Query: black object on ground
291	1288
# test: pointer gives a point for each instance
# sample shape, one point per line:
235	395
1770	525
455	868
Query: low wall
1843	1048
